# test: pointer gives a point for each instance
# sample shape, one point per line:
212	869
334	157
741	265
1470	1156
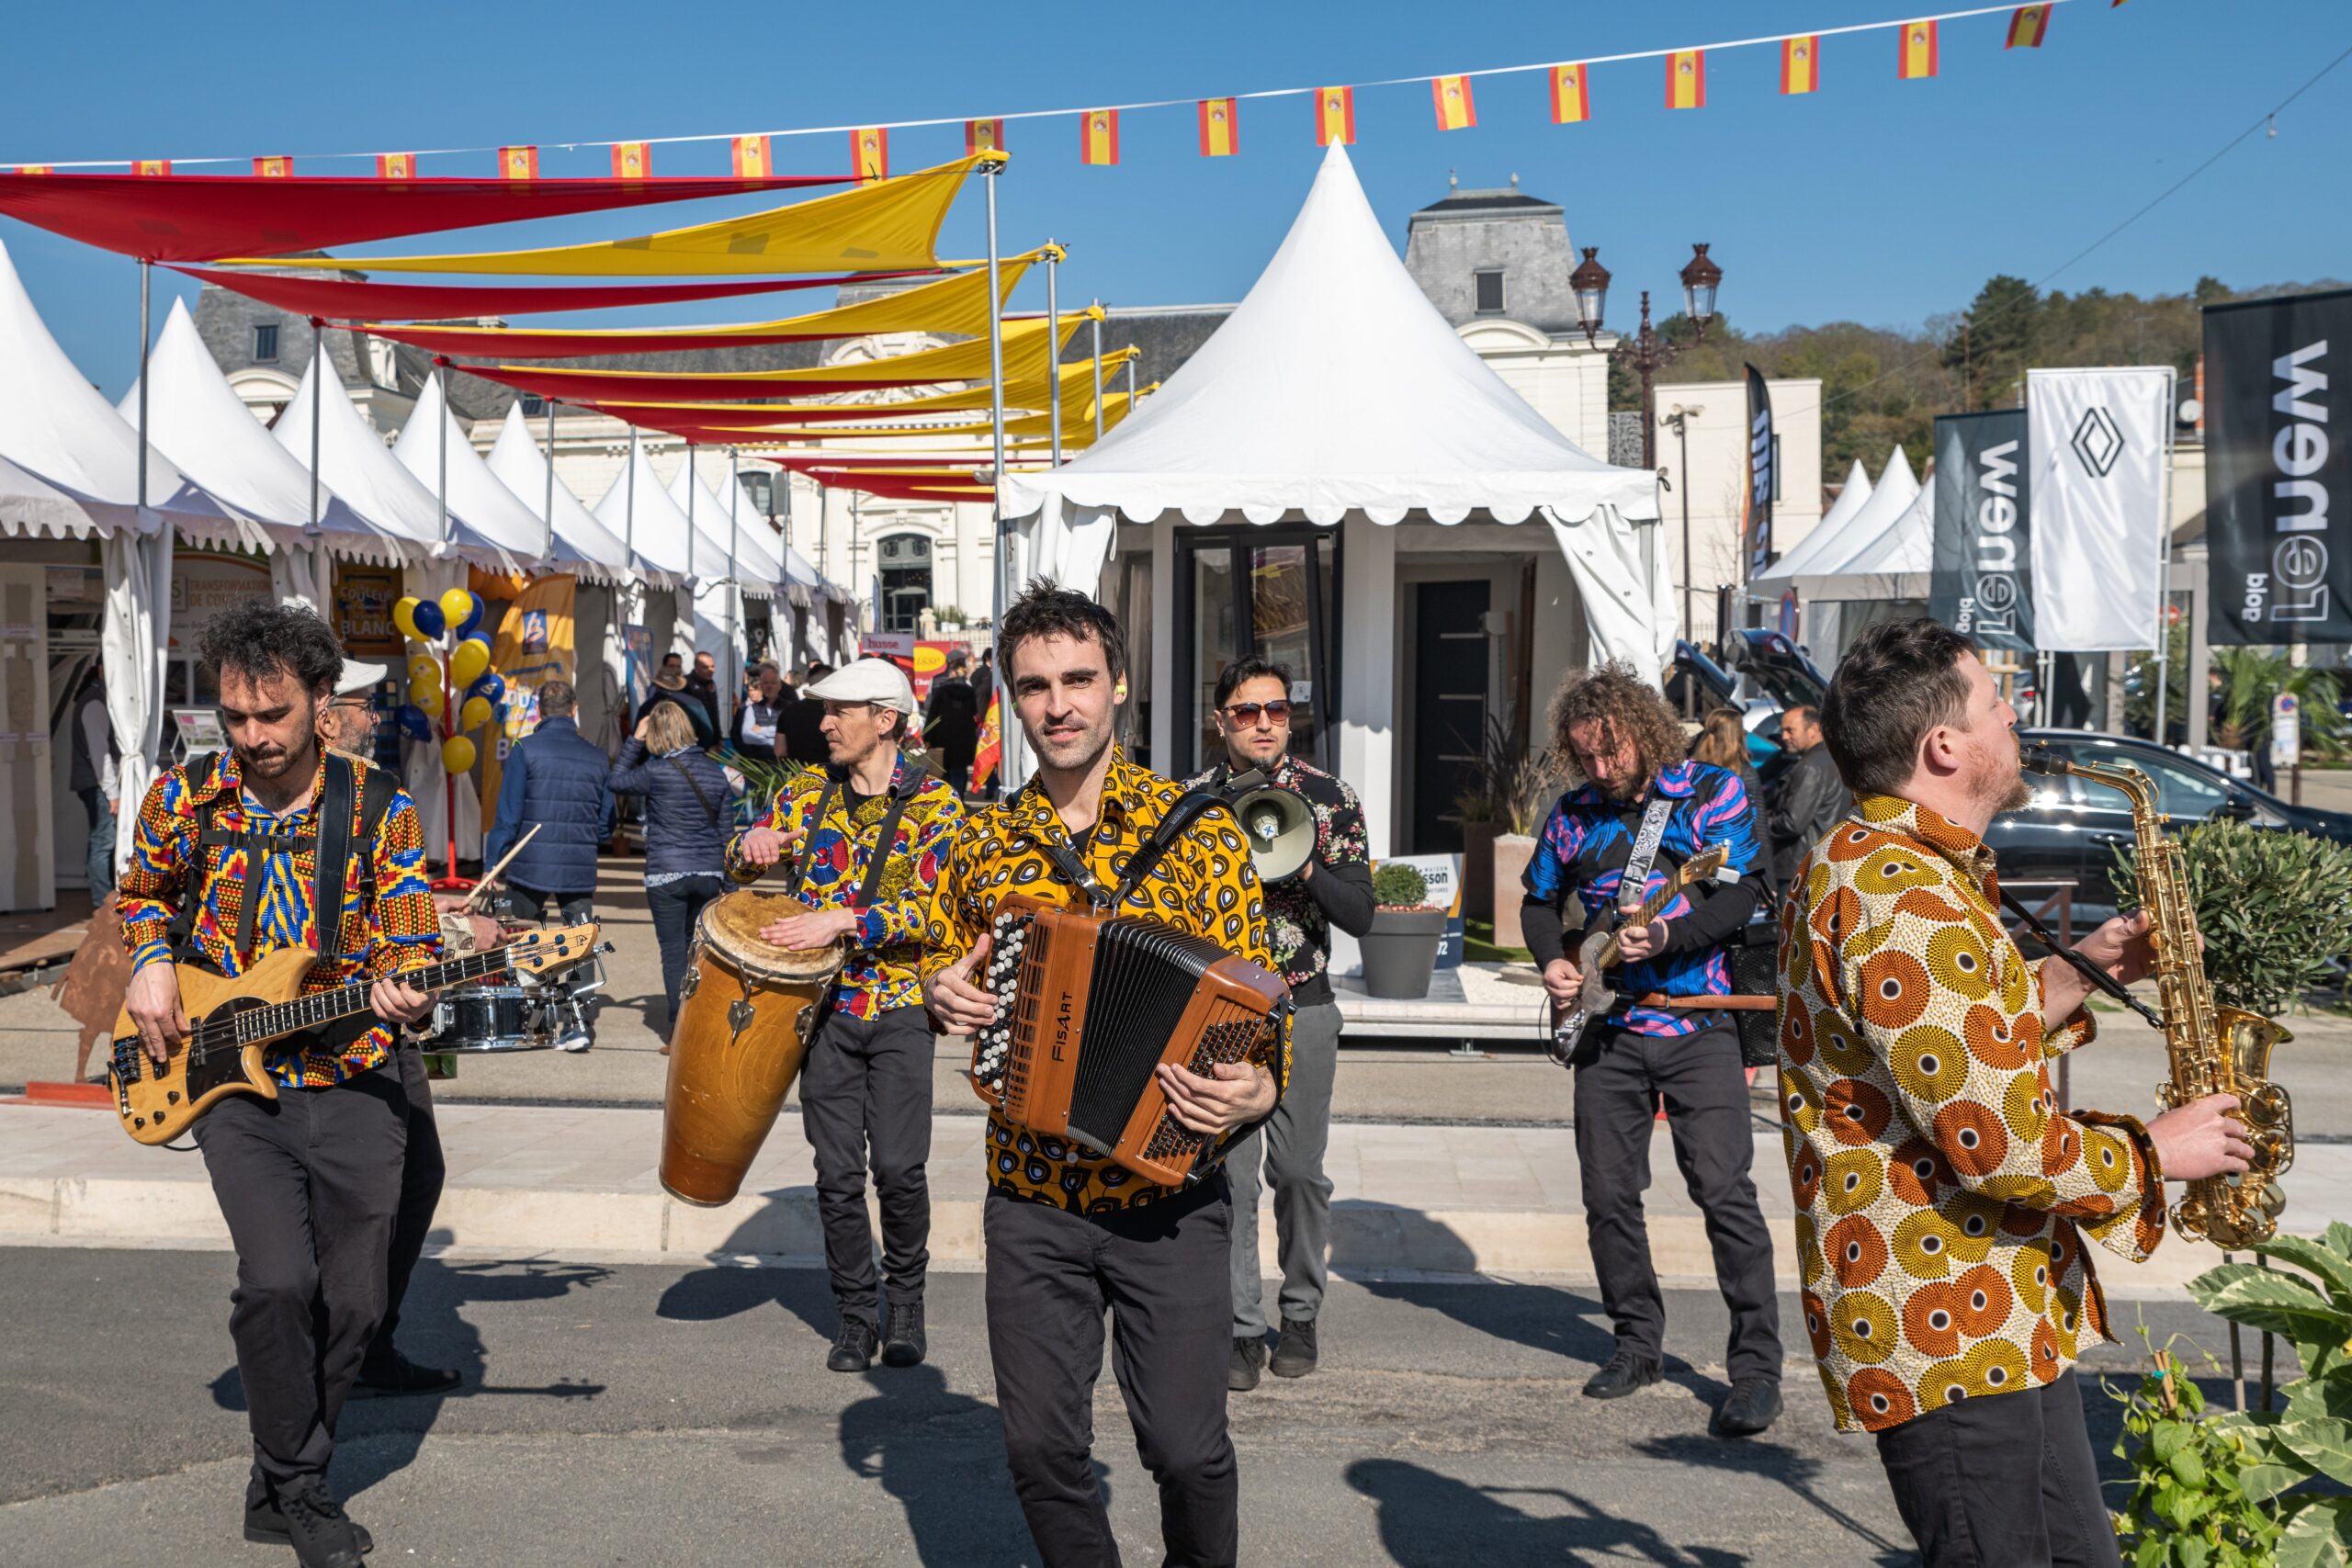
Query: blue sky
1874	200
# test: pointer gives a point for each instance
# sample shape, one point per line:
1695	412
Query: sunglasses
1247	712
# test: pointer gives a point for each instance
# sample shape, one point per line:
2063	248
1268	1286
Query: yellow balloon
429	699
457	754
468	661
404	617
475	713
423	672
456	605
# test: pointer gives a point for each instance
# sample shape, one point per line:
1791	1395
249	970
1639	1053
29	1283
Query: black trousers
865	1098
2007	1480
1162	1272
675	906
309	1183
1617	1091
530	904
423	1171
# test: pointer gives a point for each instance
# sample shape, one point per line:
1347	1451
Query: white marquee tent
638	510
486	519
356	465
515	457
1849	500
754	542
1814	568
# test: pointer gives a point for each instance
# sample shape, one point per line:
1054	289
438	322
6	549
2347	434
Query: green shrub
1400	888
2274	906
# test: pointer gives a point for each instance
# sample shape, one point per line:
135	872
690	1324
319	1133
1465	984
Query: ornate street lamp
1645	353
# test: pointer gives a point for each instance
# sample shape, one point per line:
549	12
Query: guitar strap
879	859
1636	875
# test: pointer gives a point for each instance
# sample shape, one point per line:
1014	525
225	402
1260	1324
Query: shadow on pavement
710	1294
1541	1317
1431	1519
941	1456
1799	1473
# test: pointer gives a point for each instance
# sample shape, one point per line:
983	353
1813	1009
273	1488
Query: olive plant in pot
1400	951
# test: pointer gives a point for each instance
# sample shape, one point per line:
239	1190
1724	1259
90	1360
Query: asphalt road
657	1415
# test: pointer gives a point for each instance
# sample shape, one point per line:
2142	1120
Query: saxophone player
1943	1195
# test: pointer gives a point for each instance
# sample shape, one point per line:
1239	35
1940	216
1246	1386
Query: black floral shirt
1296	927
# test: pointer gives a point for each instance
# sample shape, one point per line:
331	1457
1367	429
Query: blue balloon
473	615
429	619
490	687
414	724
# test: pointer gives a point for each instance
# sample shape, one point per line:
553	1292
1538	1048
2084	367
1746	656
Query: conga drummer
860	843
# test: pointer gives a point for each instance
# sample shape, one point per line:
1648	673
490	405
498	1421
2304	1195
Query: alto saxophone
2212	1049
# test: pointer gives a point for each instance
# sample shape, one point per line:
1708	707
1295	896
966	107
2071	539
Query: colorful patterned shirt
393	930
1940	1190
1585	847
1296	925
1206	885
886	947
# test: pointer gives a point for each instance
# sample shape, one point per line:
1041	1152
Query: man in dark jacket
93	780
800	733
670	686
1811	798
951	721
757	721
561	781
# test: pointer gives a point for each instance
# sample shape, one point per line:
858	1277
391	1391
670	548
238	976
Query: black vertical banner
1761	480
2278	469
1981	584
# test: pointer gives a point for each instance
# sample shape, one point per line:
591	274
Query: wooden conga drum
746	1012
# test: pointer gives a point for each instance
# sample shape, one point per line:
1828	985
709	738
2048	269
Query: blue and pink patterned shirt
1584	849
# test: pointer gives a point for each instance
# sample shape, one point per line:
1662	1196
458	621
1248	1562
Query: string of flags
1453	100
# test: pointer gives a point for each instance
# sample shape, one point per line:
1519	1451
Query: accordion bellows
1094	1004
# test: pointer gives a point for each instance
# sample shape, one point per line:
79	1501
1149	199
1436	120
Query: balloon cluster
457	612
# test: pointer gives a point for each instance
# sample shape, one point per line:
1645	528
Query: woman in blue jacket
689	812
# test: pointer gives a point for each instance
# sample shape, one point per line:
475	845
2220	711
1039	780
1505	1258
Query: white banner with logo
2096	440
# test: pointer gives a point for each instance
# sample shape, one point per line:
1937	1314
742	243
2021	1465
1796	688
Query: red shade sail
188	217
578	387
338	300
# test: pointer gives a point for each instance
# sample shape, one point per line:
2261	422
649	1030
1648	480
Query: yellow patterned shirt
1941	1195
1206	885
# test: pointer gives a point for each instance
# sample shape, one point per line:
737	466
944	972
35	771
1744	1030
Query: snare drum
488	1018
746	1010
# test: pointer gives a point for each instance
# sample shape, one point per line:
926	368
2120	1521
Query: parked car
2069	834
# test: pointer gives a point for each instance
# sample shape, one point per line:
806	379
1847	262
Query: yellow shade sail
1025	393
1077	427
891	226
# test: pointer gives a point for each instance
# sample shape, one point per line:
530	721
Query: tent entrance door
1262	591
1448	681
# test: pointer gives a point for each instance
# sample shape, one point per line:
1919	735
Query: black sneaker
391	1376
1249	1356
317	1529
1753	1404
1625	1374
265	1525
853	1347
904	1345
1294	1352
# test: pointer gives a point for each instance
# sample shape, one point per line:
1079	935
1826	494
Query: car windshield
2183	789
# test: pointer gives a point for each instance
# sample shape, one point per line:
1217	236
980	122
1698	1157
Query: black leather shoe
265	1525
853	1347
321	1533
1249	1357
395	1374
904	1345
1625	1374
1294	1351
1753	1404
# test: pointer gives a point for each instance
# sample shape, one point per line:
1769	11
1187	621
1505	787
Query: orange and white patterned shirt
1941	1194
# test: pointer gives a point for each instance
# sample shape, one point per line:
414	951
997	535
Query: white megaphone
1278	823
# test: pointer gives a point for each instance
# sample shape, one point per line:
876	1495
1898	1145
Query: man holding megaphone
1308	832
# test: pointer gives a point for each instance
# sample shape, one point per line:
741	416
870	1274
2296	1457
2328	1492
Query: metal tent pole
734	588
996	409
441	384
1097	325
1053	351
2164	565
549	550
146	271
1131	378
318	386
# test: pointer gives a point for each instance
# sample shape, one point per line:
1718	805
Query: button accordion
1093	1003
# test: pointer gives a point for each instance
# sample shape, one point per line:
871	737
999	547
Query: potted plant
1400	951
1483	821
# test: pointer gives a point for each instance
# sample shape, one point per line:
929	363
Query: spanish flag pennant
1220	127
1335	115
1098	137
988	750
35	168
1917	44
272	168
869	151
632	160
1801	63
983	136
1571	102
1686	79
396	165
518	163
152	167
751	157
2027	26
1456	109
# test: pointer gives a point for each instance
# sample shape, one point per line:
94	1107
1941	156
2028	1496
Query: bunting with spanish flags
869	149
1099	137
1915	45
518	163
1456	109
1335	115
396	165
751	157
2027	26
152	168
1571	104
1801	63
1686	79
983	136
988	753
632	160
1220	127
271	168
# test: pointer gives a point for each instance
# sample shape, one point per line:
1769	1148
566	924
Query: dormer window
1487	284
265	342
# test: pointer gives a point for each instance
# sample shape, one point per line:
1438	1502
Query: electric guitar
230	1021
1598	950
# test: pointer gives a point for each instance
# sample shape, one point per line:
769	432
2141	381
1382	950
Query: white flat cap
876	681
359	678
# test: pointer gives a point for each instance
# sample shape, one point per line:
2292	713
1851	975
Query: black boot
265	1525
853	1347
904	1345
1249	1357
385	1376
321	1533
1753	1404
1625	1374
1294	1351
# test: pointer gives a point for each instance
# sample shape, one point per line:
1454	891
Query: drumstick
483	885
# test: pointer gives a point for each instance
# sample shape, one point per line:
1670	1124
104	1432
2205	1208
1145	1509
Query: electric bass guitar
1598	950
231	1021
